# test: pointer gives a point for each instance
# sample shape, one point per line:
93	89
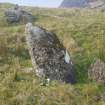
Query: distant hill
83	4
73	3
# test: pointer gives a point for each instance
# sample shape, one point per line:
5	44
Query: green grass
81	31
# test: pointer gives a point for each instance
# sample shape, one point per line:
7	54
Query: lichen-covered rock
26	17
97	71
49	57
17	15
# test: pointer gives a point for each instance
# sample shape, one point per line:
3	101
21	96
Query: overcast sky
39	3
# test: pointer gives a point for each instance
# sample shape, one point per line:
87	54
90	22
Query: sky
38	3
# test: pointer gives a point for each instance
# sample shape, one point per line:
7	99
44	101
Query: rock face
83	3
97	71
73	3
49	57
17	15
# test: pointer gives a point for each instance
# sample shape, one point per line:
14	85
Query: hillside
73	3
83	4
82	32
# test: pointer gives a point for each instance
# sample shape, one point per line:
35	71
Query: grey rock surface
97	71
17	14
100	4
49	57
73	3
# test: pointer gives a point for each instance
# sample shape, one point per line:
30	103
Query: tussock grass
81	31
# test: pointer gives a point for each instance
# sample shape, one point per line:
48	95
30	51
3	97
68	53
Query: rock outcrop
100	4
97	71
49	57
73	3
17	15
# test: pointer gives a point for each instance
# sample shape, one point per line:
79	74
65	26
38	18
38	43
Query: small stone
97	71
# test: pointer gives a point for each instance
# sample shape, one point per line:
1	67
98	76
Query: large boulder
17	15
49	57
97	71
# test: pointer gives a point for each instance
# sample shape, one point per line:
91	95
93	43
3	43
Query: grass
81	31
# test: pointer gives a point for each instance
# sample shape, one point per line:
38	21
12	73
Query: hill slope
83	3
73	3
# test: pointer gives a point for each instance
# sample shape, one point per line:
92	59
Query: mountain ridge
83	4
